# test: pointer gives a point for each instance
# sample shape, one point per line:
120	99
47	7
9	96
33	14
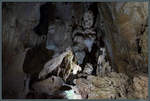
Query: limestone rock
88	68
88	19
122	26
112	86
59	36
144	45
53	64
80	56
63	64
18	21
32	63
103	66
48	86
140	86
83	86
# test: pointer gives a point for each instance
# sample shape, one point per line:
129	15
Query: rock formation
107	56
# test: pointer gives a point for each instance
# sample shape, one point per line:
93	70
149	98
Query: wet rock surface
75	50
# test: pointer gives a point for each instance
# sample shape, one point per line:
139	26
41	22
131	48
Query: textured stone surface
123	27
59	36
18	22
140	86
144	45
48	86
112	86
32	63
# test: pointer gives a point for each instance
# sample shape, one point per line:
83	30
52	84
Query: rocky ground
75	50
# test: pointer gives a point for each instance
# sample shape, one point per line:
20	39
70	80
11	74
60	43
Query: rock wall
18	22
124	26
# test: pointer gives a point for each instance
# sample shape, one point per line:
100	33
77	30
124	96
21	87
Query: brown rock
48	86
140	85
112	86
123	25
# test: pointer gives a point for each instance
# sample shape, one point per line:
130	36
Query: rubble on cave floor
63	68
81	81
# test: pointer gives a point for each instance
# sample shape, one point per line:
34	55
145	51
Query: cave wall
126	34
124	26
60	27
18	22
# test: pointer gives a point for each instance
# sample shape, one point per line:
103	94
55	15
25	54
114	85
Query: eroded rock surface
125	26
18	22
112	86
48	86
107	58
139	87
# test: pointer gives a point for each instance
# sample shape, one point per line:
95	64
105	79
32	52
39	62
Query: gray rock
80	56
88	68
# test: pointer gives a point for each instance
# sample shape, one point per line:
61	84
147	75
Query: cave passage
74	50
